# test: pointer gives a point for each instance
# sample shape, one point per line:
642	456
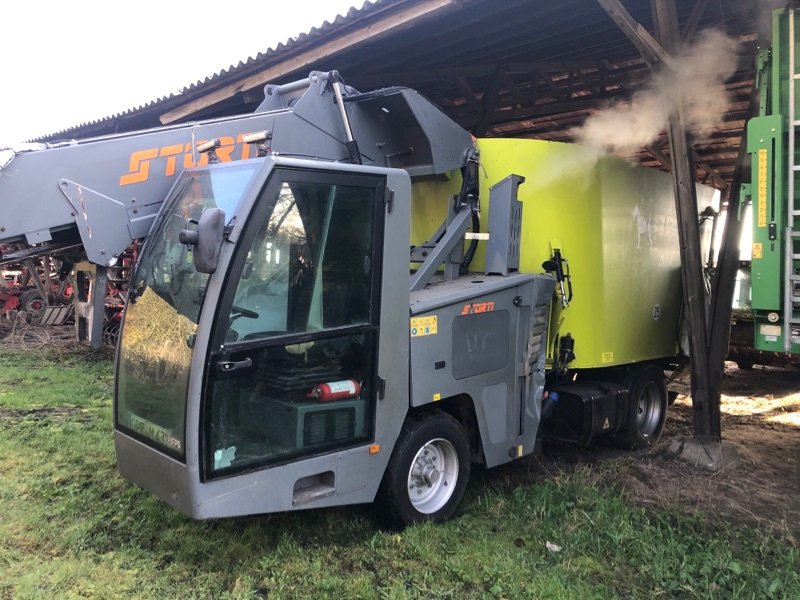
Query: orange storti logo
477	307
141	161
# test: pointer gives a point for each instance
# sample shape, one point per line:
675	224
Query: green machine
771	143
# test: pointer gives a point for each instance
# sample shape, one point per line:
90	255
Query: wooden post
724	281
705	401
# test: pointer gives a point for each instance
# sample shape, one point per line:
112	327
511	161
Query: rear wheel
647	407
427	473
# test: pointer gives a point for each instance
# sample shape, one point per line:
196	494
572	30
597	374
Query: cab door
292	371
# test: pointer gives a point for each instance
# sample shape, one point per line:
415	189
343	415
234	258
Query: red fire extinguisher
335	390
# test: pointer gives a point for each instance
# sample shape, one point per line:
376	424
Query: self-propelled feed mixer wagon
281	347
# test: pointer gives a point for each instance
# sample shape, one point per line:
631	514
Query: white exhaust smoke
697	79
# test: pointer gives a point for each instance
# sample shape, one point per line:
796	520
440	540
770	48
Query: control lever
560	266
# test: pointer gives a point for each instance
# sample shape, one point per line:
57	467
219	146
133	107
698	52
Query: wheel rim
648	410
433	475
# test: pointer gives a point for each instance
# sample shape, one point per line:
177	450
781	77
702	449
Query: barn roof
522	68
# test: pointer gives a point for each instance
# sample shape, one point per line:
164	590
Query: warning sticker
762	187
758	250
421	326
607	357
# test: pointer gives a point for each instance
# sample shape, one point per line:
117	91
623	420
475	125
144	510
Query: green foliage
71	527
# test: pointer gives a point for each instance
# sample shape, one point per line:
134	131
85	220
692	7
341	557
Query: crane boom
92	198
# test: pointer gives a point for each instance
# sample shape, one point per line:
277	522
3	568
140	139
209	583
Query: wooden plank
529	112
656	151
698	10
469	96
370	30
420	77
518	100
491	98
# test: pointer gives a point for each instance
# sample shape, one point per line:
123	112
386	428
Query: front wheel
427	473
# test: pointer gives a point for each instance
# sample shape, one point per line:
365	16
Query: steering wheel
238	311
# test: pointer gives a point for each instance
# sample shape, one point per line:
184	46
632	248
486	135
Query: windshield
165	299
307	267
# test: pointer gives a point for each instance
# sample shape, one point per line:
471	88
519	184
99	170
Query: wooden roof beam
698	10
652	52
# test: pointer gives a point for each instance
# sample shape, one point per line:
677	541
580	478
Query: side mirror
207	239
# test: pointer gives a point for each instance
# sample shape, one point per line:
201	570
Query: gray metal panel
487	336
102	222
409	131
446	292
508	417
133	172
505	226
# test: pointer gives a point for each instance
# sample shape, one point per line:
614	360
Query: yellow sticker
607	357
758	250
762	187
421	326
437	397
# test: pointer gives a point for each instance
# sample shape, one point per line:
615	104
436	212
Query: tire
647	408
32	302
415	487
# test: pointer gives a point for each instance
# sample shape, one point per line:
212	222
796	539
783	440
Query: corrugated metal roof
521	68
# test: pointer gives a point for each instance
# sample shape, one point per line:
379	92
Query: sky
67	62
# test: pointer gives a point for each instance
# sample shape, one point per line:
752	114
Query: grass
70	527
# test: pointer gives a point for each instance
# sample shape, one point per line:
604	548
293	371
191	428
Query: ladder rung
796	167
796	76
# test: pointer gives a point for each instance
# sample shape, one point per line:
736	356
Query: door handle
226	366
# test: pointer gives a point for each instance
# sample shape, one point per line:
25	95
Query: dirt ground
760	418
